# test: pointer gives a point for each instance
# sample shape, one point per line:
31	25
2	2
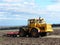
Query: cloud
12	0
54	10
2	14
14	8
57	0
17	17
54	7
24	6
28	6
5	18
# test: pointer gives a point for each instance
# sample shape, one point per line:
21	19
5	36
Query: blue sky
17	12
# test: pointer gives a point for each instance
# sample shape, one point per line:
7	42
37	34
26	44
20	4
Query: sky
17	12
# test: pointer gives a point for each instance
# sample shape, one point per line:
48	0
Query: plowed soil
53	39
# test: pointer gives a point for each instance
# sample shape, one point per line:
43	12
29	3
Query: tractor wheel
22	32
34	32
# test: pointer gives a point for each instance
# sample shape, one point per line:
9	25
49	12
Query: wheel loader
35	28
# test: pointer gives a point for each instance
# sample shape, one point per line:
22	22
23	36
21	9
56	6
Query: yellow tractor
35	28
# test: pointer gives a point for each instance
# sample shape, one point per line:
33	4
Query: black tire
34	32
22	32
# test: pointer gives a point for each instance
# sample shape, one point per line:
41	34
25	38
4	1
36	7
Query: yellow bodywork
35	28
42	27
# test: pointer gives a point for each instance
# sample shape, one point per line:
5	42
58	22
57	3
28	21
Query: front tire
34	32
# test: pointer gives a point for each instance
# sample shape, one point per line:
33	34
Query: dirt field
53	39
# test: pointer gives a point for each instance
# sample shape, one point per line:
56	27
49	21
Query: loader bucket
49	28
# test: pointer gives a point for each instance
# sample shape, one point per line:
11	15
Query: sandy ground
53	39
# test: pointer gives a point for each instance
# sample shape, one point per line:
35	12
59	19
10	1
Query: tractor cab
34	22
40	20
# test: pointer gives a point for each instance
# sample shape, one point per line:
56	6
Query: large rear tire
22	32
34	32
